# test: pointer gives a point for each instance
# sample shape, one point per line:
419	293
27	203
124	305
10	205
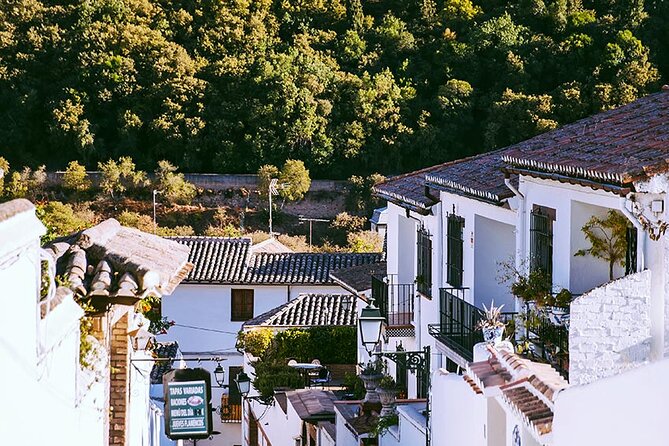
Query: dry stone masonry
610	329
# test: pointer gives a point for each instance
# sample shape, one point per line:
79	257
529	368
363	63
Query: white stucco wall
560	196
610	329
458	414
494	243
39	357
622	410
344	435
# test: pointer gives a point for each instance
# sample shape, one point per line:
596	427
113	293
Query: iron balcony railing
551	341
395	300
458	322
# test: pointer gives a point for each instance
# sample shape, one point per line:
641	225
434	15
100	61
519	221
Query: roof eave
474	194
617	189
404	204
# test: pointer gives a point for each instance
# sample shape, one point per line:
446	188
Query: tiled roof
114	264
163	350
302	267
216	259
528	388
358	279
313	404
478	176
233	261
309	310
617	146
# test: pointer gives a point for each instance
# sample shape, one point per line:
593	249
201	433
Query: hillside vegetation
347	86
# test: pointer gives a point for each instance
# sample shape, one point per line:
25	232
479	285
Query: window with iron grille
242	305
455	238
541	240
424	277
630	256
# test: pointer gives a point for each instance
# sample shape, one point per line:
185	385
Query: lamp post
155	227
370	323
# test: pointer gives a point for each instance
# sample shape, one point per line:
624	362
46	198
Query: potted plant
558	304
533	287
370	375
387	391
491	324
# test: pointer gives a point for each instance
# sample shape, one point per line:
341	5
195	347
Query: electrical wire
207	329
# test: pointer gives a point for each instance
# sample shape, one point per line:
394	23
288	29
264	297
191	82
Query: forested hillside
348	86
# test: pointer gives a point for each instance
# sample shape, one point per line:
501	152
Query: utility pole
155	226
311	222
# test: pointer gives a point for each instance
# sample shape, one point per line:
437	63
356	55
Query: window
454	235
242	305
541	240
424	278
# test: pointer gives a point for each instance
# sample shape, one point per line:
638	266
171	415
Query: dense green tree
348	87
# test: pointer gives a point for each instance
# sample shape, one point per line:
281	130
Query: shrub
360	198
265	174
4	167
119	177
136	220
61	219
259	236
347	222
365	241
295	180
17	187
255	342
172	185
225	231
75	177
297	243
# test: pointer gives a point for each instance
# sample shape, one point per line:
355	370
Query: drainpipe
641	240
520	229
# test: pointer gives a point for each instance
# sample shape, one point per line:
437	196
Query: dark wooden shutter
630	256
241	305
541	241
454	260
424	266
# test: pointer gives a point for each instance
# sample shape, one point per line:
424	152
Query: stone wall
610	329
214	181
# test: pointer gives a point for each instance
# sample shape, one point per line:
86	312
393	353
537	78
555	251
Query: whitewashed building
232	282
450	226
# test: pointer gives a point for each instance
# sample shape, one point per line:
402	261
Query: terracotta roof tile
114	264
618	146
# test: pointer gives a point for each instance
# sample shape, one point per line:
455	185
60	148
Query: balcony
395	300
458	322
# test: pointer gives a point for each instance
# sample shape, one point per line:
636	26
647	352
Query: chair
292	363
323	377
316	362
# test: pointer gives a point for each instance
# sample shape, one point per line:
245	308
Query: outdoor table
305	368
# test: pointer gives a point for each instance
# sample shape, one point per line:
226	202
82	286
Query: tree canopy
348	87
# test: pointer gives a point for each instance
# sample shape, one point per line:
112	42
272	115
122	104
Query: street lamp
370	322
219	375
243	383
347	303
155	227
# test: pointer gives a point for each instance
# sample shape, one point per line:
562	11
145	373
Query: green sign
187	408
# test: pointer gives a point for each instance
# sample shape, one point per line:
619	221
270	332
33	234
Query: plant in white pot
387	391
370	375
491	324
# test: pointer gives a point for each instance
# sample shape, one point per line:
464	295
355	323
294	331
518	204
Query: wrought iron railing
231	409
458	326
551	341
395	300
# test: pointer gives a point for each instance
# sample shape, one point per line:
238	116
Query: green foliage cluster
293	179
347	87
62	219
173	186
329	344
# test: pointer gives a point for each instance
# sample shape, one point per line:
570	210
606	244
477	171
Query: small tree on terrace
173	186
75	177
295	180
4	168
608	239
120	176
265	175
